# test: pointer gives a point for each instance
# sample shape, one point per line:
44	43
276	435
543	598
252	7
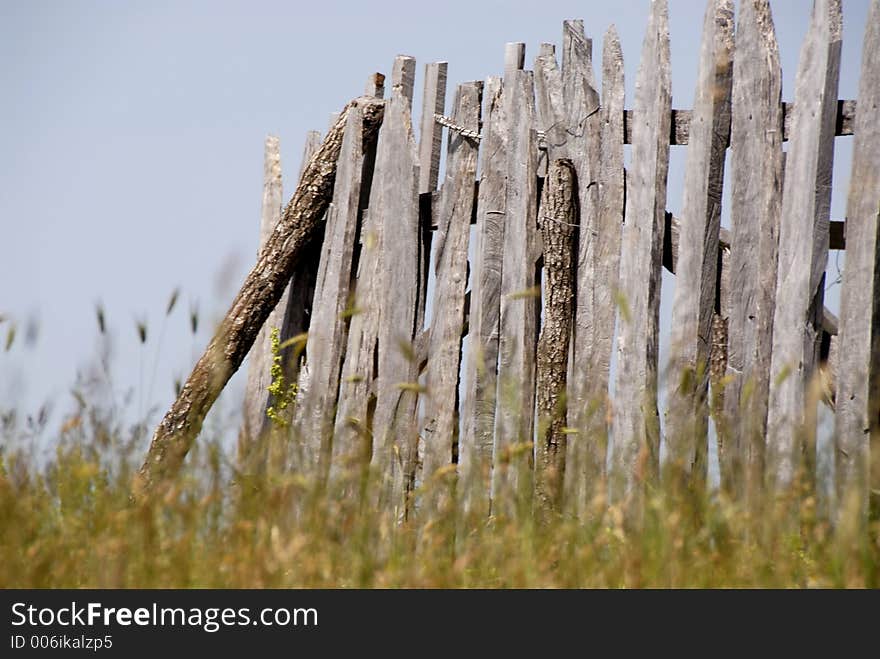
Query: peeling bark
557	218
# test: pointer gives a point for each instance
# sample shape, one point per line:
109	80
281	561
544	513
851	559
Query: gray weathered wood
327	332
451	262
478	405
518	324
394	202
514	57
375	85
430	132
679	131
258	376
858	371
430	143
550	107
577	63
598	160
756	200
695	277
352	444
636	429
557	220
803	248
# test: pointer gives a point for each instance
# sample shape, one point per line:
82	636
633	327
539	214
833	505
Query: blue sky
131	146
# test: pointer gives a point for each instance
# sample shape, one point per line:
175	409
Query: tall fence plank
451	263
600	181
756	198
394	201
430	143
803	248
352	443
327	337
478	405
636	429
430	132
695	277
858	371
514	57
518	324
256	396
352	440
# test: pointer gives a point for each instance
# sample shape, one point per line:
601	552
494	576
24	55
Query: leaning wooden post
636	429
695	273
858	387
803	251
260	293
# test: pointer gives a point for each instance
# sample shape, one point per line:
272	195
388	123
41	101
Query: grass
68	520
70	523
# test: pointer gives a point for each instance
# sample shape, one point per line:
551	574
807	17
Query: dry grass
70	523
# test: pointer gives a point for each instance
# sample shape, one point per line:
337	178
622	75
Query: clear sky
131	146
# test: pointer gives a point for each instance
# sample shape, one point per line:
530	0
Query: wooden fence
550	260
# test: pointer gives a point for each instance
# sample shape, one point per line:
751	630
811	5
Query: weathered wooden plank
636	428
430	132
557	220
451	263
430	143
598	263
697	268
577	64
352	440
518	323
756	200
803	249
256	398
478	406
679	131
352	443
327	333
394	202
858	372
514	57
